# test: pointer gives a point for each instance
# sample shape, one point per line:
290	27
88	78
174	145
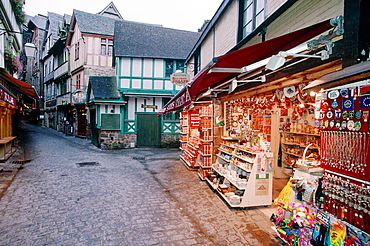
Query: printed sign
179	78
6	97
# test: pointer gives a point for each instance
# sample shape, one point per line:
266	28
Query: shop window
252	14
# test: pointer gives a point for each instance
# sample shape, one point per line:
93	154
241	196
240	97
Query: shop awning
244	57
20	85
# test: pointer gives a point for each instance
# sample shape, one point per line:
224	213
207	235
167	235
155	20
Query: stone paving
72	193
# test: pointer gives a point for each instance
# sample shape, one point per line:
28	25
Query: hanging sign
179	78
6	97
79	96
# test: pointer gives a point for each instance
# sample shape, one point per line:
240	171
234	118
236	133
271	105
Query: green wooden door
148	130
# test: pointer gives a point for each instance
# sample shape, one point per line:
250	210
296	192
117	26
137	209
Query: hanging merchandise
344	108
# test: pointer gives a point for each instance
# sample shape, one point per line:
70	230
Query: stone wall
110	139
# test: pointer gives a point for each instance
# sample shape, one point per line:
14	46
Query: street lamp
30	49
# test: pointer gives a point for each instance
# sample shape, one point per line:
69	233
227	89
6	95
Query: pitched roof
133	39
111	11
54	20
93	23
104	87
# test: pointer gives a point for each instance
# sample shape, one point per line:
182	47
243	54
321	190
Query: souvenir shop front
242	132
314	134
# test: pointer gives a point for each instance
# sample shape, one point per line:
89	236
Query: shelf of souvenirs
301	145
312	153
205	136
204	172
232	175
205	161
233	149
205	123
189	161
184	138
302	140
227	138
316	134
311	166
230	194
243	164
205	111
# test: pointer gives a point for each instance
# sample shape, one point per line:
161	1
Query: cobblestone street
72	193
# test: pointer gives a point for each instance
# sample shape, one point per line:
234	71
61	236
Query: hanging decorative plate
344	125
334	104
351	125
333	94
332	124
316	124
365	116
351	114
347	103
326	124
344	92
235	124
329	114
289	91
338	114
279	94
358	114
337	124
345	115
357	125
365	102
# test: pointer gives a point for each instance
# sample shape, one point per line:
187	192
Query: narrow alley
72	193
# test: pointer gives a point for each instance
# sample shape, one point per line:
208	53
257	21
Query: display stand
242	177
293	146
205	141
190	139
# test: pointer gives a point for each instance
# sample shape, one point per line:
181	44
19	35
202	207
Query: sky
184	15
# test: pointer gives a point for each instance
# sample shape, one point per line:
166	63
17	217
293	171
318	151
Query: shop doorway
94	129
81	122
148	130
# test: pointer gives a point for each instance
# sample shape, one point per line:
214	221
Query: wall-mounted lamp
276	61
29	49
235	82
225	70
210	91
